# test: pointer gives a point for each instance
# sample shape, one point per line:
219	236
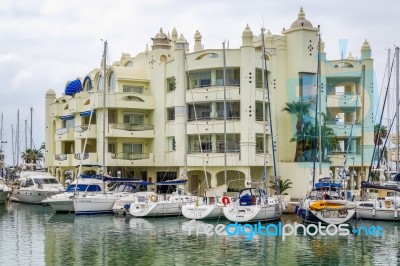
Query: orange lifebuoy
226	200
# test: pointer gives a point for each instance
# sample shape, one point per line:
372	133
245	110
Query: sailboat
254	204
4	189
211	207
325	203
103	202
381	202
151	204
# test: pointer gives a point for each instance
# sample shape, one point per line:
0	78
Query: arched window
111	83
87	84
100	83
129	64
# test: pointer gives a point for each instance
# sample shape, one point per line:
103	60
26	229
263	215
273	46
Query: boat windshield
83	187
319	194
45	181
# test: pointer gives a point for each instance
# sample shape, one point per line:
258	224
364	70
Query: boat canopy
178	181
365	184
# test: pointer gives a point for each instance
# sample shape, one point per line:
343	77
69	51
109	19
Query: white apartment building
164	111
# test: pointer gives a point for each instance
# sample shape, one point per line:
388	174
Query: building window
232	77
135	119
171	114
260	144
112	147
132	89
132	150
111	83
171	144
232	110
100	83
200	79
259	78
69	123
204	145
129	64
199	111
307	85
171	84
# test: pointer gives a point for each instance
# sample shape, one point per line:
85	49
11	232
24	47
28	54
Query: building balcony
343	129
213	92
130	159
338	158
65	134
343	100
212	126
63	159
128	130
85	131
260	95
85	158
212	158
260	159
126	100
259	127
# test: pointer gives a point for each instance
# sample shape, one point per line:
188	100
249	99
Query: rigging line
381	91
380	121
350	137
383	149
197	123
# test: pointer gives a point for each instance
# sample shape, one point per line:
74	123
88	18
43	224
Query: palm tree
32	155
281	186
380	133
299	109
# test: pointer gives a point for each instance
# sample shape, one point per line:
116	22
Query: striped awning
87	113
67	117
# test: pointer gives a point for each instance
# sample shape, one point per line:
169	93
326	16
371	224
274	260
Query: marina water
35	235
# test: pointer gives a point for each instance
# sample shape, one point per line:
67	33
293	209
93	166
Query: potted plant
281	186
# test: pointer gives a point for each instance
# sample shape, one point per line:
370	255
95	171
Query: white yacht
103	202
85	186
4	191
253	205
383	205
35	186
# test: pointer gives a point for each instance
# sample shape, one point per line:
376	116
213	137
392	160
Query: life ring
153	198
225	200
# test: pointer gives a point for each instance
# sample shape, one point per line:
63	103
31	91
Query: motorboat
326	204
253	205
35	186
4	191
102	203
379	202
85	185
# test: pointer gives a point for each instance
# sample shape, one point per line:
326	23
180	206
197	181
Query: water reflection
34	235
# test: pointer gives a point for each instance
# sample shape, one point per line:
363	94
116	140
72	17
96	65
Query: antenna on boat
225	143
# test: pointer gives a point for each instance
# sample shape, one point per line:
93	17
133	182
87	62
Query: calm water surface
34	235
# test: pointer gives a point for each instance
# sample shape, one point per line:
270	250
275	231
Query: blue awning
178	181
73	87
87	113
67	117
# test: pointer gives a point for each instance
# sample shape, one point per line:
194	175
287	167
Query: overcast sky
45	43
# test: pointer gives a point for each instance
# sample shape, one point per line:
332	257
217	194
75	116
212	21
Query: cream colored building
165	105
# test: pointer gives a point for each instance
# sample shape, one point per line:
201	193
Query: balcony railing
60	157
219	82
79	156
130	156
341	123
81	128
62	131
132	127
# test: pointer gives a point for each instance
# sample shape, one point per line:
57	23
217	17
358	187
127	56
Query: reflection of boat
323	204
63	202
4	191
385	205
35	186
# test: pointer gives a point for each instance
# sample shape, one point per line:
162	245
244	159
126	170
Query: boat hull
96	204
325	216
32	196
4	196
156	209
202	212
253	213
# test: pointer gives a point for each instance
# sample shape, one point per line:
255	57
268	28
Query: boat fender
225	200
127	206
153	198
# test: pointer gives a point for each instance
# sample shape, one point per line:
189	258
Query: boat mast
319	92
389	123
17	140
104	112
266	88
225	143
397	108
31	131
